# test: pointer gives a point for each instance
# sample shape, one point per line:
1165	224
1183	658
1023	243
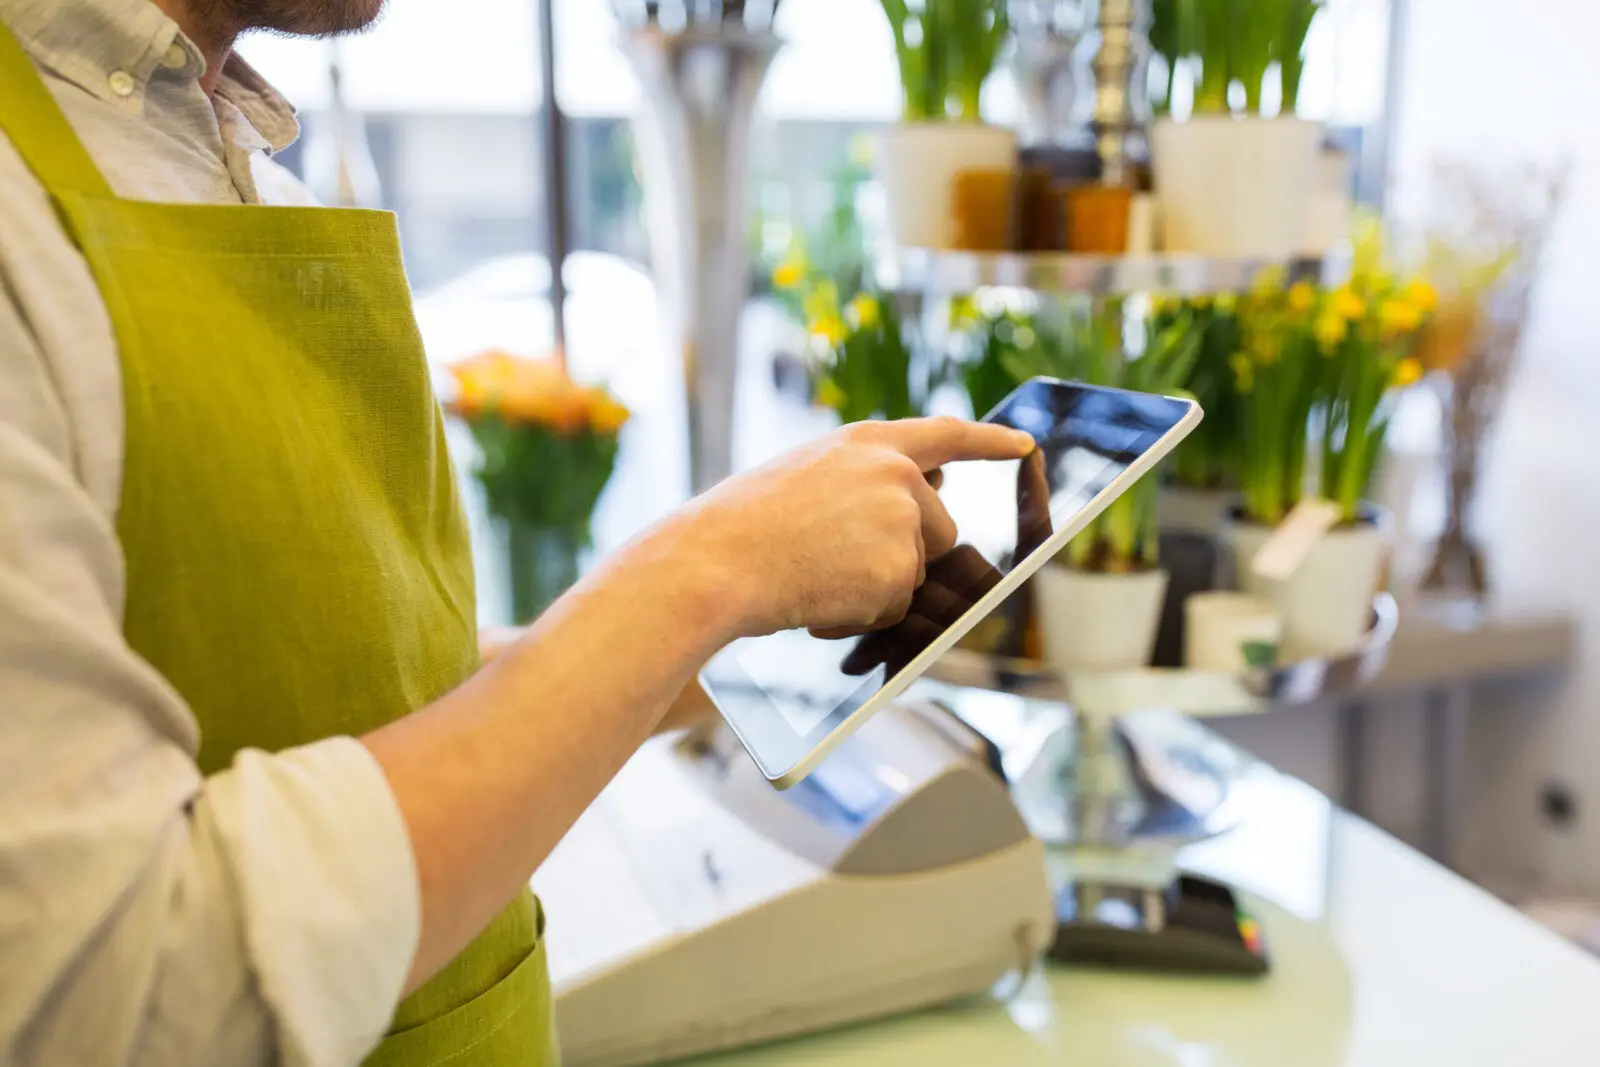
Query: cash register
694	908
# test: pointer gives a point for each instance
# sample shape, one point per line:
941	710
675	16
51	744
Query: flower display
1075	343
1324	361
547	447
859	354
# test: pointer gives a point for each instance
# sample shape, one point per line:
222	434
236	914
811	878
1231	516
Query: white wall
1492	79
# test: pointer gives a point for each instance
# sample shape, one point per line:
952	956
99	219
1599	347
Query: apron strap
33	121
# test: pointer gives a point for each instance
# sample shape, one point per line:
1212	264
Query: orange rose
535	391
606	415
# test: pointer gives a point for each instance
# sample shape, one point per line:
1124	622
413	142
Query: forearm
491	777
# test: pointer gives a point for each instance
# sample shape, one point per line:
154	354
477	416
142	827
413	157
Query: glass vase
1458	567
542	562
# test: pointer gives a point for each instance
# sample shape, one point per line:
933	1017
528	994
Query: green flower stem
542	563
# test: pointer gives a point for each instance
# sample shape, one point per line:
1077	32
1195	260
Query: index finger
934	442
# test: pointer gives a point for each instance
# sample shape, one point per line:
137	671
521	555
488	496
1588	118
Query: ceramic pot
918	163
1098	622
1326	604
1181	509
1235	187
1328	217
1230	633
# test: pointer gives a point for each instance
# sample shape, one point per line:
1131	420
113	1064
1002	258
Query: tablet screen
784	691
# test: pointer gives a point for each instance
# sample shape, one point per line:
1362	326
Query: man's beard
299	18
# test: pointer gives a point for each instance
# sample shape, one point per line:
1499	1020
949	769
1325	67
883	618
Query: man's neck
208	26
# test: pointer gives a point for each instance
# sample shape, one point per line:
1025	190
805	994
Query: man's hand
955	582
838	535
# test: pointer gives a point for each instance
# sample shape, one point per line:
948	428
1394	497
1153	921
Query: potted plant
1203	475
859	360
546	449
946	50
864	365
1323	362
1100	602
1237	184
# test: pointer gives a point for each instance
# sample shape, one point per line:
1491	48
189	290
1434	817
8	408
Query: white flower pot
1098	622
1326	604
918	163
1180	509
1237	187
1220	626
1328	216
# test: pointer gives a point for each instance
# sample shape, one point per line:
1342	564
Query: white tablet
791	697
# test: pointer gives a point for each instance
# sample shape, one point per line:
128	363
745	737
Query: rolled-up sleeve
150	915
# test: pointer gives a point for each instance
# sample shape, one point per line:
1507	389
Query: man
258	804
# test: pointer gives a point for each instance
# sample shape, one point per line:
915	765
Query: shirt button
176	57
121	83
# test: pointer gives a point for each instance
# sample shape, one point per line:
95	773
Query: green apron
297	562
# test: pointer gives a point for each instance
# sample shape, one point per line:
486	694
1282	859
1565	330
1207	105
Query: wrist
703	574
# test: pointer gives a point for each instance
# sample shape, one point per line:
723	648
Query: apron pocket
512	1024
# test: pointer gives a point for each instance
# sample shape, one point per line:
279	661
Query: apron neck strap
33	121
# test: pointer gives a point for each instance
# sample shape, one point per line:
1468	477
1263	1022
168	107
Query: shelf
950	273
1195	693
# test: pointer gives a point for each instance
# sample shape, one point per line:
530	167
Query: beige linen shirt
149	915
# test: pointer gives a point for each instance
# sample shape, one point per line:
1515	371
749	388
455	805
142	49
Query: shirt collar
91	42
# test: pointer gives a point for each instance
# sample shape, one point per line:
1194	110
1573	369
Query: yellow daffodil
788	274
963	312
830	328
1407	372
1244	372
829	395
1347	304
821	302
1330	331
1225	303
1366	251
1265	346
1269	282
864	311
1302	297
1421	295
1200	303
1164	304
1398	316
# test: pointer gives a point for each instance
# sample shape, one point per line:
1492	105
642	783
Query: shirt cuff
328	884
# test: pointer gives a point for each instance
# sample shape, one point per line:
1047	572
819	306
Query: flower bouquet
547	448
1485	251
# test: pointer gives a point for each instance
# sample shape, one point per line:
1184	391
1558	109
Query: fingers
938	528
935	478
893	648
965	572
1033	504
932	443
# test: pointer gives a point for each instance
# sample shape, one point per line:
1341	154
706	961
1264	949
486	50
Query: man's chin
308	18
